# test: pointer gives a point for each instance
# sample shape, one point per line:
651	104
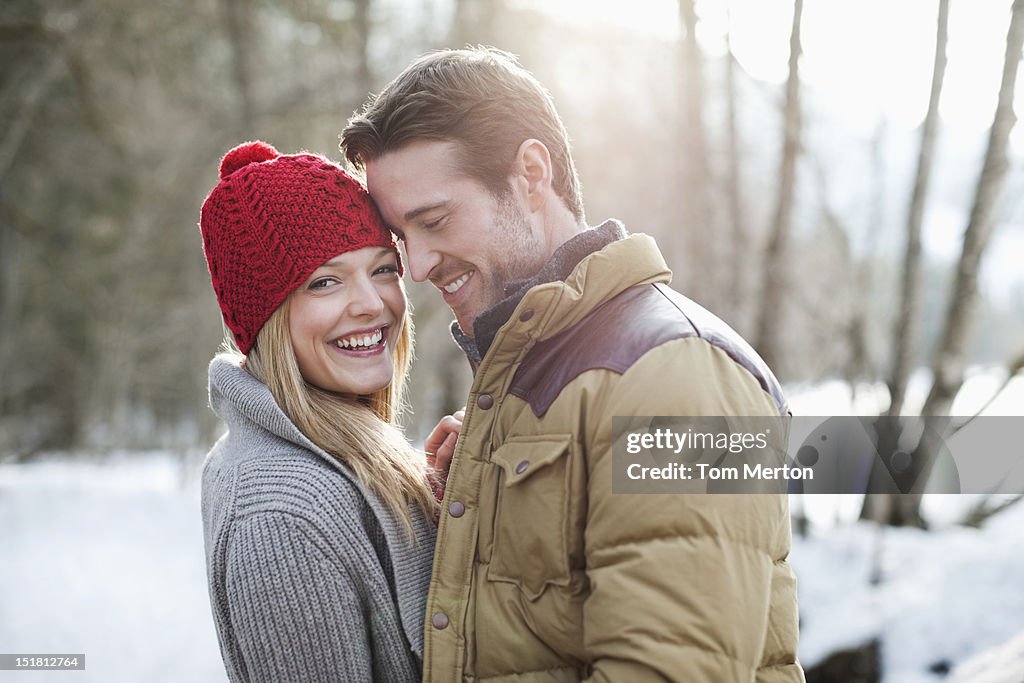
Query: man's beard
523	253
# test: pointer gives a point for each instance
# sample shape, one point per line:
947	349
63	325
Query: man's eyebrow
414	213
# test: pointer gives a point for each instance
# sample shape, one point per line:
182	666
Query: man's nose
419	259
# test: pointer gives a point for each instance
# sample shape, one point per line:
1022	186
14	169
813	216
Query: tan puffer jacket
541	572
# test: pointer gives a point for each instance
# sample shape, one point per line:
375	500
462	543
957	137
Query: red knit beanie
271	221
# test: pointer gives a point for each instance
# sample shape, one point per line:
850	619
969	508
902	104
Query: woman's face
345	320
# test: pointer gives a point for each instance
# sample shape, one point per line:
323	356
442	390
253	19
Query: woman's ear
532	172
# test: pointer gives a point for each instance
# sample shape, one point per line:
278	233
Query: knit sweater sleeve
297	614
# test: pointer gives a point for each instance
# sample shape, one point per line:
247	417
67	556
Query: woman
316	512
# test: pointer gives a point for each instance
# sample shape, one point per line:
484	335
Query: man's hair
480	98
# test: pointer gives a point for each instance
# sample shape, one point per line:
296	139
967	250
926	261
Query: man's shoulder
612	337
616	334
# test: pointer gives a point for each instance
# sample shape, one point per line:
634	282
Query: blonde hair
362	433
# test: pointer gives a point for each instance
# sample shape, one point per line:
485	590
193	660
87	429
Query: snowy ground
943	596
105	557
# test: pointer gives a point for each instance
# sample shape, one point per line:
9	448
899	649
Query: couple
320	519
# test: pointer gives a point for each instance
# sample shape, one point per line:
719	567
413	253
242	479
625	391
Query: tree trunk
697	237
238	26
25	117
908	320
738	256
951	356
363	30
775	267
861	364
11	264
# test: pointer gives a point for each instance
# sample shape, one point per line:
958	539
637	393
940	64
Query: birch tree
908	319
774	282
734	190
698	236
951	355
950	358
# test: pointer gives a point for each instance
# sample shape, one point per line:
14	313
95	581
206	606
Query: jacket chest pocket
532	518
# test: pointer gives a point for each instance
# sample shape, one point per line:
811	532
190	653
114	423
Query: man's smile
456	285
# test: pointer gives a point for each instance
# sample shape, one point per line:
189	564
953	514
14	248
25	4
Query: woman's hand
440	445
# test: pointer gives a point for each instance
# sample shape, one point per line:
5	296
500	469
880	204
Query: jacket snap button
456	509
526	315
439	621
485	401
521	467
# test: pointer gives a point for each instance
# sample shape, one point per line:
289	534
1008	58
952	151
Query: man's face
456	234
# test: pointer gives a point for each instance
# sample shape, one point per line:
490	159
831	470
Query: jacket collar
558	268
245	404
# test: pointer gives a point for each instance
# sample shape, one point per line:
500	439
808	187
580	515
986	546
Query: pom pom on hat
245	154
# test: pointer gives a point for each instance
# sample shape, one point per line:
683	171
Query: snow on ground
106	558
943	596
947	595
1003	664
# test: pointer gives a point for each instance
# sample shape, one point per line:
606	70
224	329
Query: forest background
779	165
841	182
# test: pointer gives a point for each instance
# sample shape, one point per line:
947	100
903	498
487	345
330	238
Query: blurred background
841	182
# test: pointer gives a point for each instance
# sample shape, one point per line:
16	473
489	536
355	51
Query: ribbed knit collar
558	268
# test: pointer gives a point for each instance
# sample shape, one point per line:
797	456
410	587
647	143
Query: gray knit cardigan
311	577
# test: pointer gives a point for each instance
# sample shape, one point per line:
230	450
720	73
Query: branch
25	116
981	512
1015	367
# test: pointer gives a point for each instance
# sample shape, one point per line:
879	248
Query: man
542	573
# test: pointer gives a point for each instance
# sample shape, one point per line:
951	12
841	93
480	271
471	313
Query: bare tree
697	238
734	188
951	356
908	319
773	289
238	24
861	362
362	29
15	133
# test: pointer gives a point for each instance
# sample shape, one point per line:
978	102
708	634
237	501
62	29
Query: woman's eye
322	282
388	269
433	224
